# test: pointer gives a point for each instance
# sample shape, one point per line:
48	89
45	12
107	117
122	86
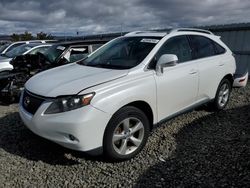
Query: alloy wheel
128	136
223	95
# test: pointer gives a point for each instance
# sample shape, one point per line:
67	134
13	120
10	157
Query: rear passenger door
178	85
210	66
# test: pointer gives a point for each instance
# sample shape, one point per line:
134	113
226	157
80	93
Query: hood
70	79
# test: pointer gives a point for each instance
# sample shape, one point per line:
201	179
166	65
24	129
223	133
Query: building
237	37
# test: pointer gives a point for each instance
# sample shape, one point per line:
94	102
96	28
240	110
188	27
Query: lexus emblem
26	101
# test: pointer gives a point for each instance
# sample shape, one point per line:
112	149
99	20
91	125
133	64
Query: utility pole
121	29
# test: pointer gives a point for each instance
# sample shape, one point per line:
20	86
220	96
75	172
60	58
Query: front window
177	45
122	53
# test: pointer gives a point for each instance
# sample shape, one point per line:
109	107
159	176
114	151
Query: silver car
10	46
31	48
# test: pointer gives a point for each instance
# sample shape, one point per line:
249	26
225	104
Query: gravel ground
201	148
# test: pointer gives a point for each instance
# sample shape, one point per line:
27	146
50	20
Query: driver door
177	87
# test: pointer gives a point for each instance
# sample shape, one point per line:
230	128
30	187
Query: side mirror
166	60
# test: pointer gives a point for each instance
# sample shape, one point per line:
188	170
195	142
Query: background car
27	65
31	48
6	67
9	46
68	52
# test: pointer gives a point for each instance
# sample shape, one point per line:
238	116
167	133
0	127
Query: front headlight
64	104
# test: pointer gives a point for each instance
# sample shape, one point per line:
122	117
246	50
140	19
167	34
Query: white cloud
93	16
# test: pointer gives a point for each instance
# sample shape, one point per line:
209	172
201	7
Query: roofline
164	33
227	27
133	33
82	41
192	30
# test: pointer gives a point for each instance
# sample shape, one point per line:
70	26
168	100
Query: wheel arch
230	78
144	107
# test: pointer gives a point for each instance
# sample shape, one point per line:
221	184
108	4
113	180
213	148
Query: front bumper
240	80
81	129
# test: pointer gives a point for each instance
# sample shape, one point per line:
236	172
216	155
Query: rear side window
202	46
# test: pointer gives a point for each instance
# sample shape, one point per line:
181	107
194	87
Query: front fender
110	97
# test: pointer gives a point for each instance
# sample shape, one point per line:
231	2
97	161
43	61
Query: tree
15	37
26	36
43	36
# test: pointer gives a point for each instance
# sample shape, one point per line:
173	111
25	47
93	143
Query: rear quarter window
219	49
202	46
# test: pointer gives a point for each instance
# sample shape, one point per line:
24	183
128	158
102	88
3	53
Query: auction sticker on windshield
150	40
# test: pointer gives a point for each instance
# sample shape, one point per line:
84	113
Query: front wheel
222	95
126	134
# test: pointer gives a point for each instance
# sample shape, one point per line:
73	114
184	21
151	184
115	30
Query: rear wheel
222	95
126	134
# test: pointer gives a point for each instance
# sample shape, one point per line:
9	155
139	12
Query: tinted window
202	46
178	46
219	49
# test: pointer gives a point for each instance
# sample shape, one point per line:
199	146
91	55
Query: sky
67	17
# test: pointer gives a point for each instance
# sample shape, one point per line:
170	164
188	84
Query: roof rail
141	32
192	29
134	32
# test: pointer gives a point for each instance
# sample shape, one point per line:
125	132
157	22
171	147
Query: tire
222	95
3	83
121	140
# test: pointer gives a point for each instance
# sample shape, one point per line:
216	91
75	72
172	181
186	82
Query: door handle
221	64
193	71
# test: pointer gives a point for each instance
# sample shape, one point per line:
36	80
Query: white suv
110	101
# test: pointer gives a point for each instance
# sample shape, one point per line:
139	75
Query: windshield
20	50
122	53
54	52
3	47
